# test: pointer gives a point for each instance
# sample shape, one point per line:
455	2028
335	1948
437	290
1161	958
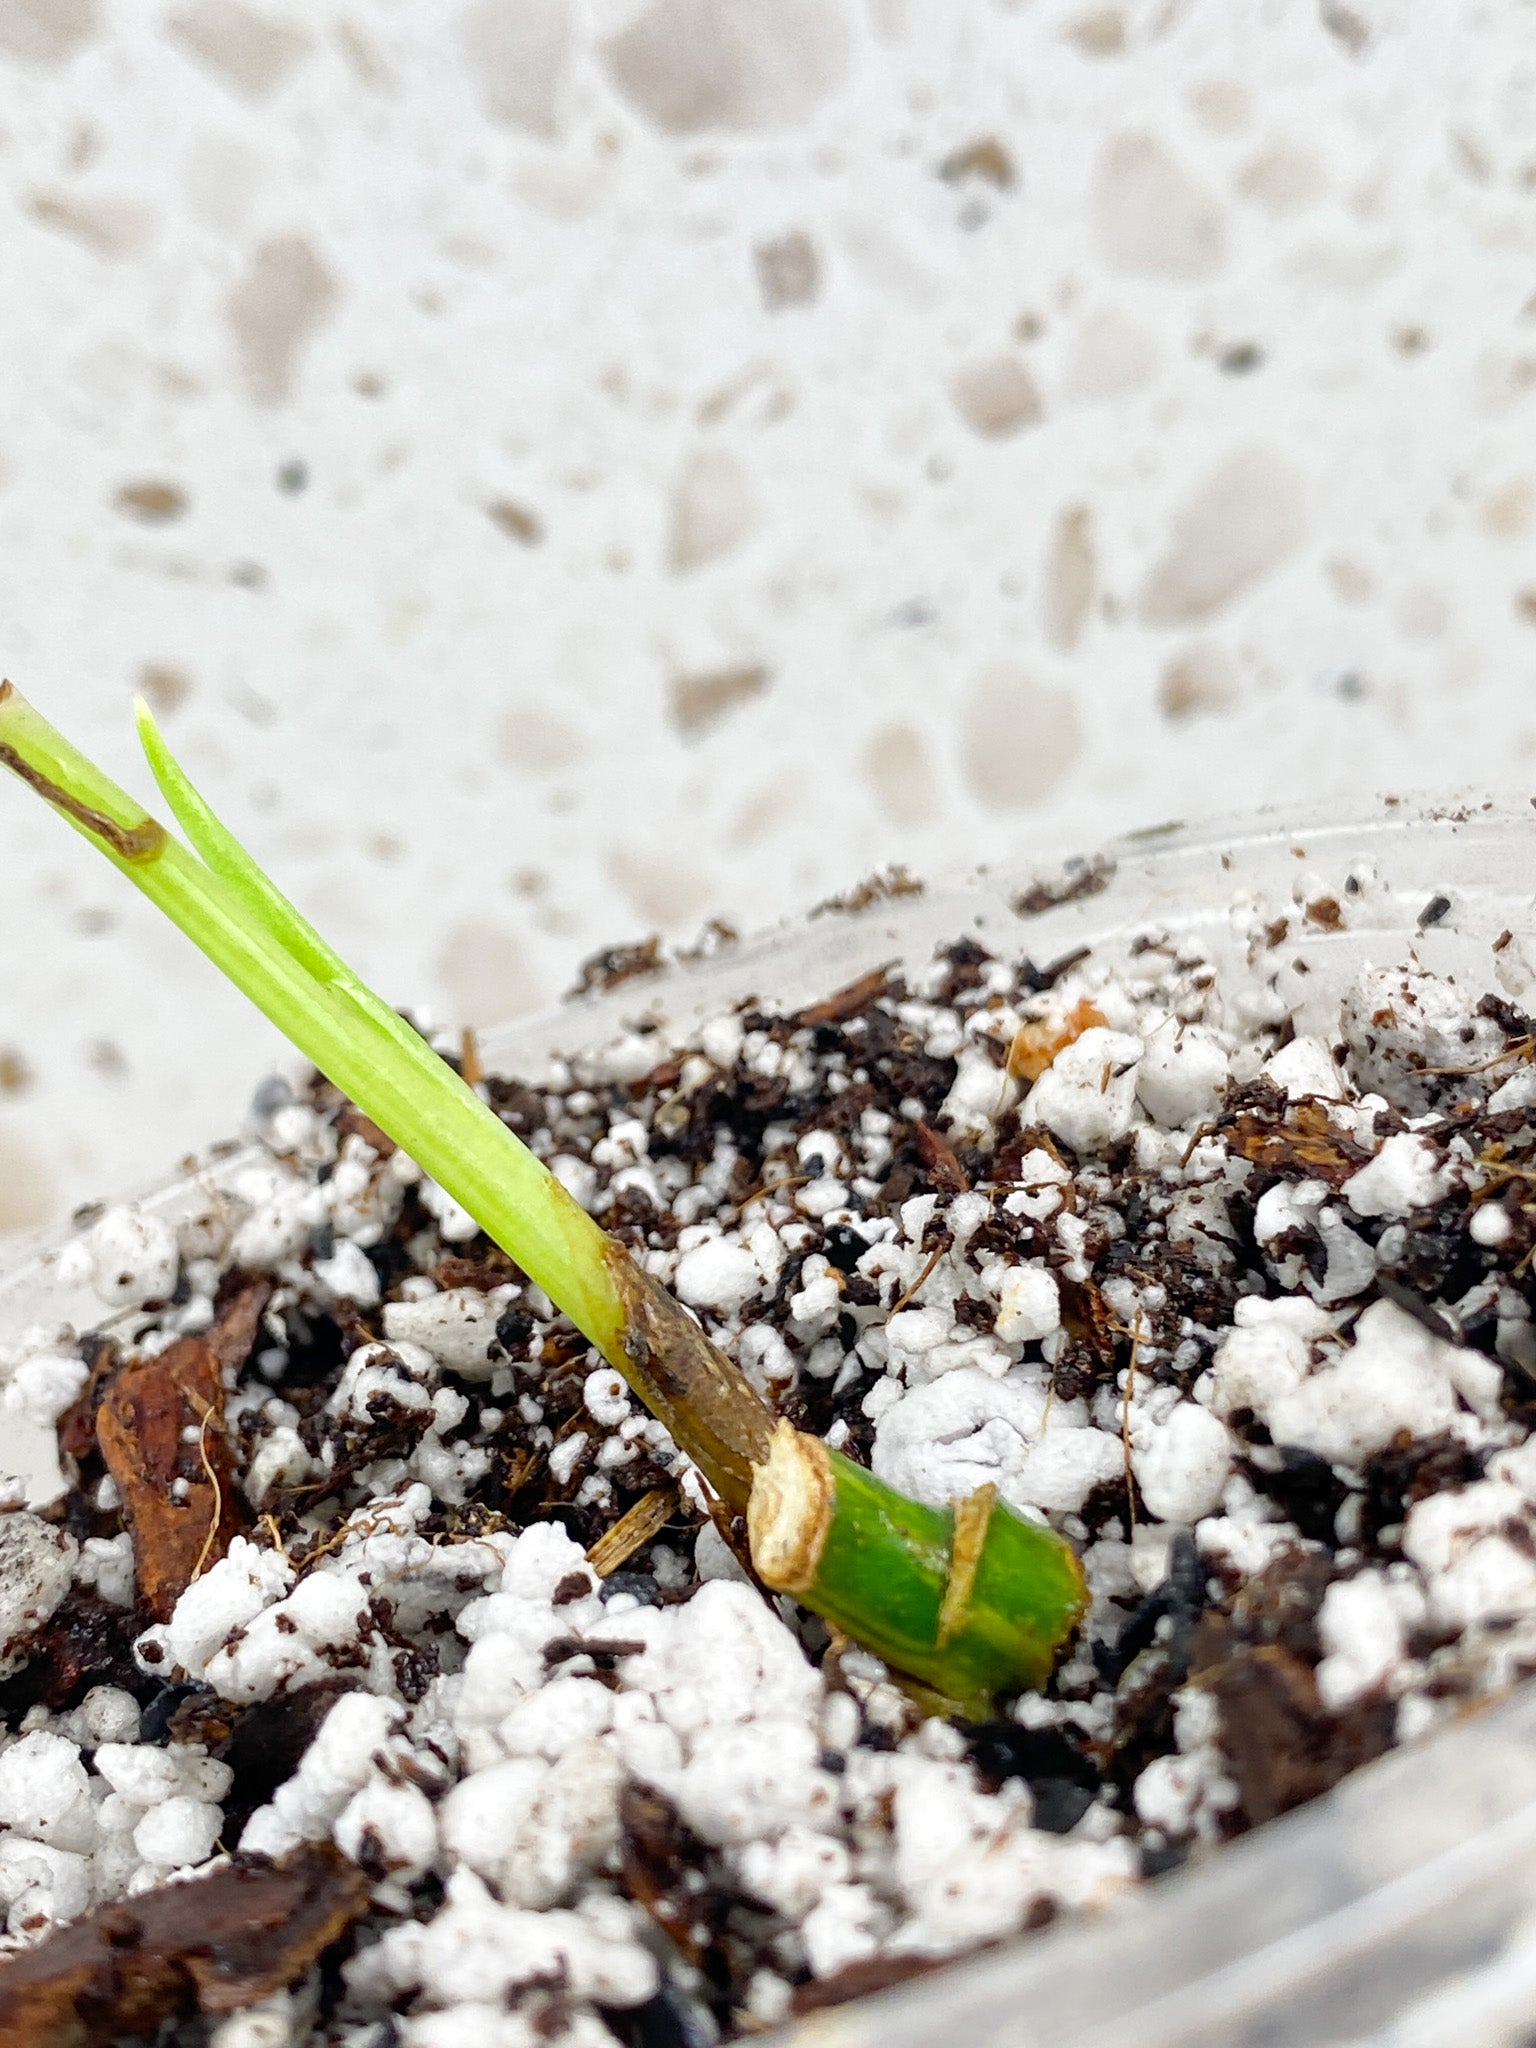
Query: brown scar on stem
711	1408
794	1499
140	842
973	1516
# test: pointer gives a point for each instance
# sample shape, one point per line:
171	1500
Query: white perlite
1145	1330
134	1258
1395	1376
37	1564
1087	1096
1406	1174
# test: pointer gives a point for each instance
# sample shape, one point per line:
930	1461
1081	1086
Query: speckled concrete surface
564	470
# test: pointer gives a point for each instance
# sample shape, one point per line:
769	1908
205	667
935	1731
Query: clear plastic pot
1399	1909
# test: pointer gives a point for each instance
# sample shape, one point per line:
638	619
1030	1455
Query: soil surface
378	1610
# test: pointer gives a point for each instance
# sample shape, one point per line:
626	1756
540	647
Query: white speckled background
567	468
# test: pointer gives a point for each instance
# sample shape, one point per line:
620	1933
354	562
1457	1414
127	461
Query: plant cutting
966	1602
393	1587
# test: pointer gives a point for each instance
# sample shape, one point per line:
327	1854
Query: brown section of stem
710	1407
129	842
972	1517
210	1945
793	1500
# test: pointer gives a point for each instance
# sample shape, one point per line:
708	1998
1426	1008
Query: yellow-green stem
968	1602
259	940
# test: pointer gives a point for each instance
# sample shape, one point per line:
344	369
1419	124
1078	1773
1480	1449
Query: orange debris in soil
1036	1044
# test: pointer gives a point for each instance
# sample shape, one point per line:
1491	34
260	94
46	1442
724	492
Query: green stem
259	940
968	1602
972	1600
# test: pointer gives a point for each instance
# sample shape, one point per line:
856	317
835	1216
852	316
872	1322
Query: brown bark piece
938	1155
77	1425
210	1945
86	1641
1303	1143
1089	1320
235	1328
1281	1604
848	1002
663	1869
162	1420
862	1979
262	1744
1282	1744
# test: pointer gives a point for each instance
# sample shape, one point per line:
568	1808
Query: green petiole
968	1602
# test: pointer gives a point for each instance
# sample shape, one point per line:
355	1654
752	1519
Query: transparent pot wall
1401	1908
